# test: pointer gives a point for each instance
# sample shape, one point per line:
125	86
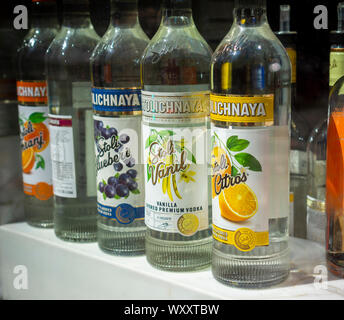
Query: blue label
116	100
123	213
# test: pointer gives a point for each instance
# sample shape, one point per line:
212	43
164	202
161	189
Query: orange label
32	91
42	191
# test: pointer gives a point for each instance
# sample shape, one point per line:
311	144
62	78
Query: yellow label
336	65
244	239
292	56
253	109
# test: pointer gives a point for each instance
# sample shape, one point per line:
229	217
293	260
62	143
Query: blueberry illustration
124	138
101	187
118	166
130	162
110	191
113	181
132	185
122	190
106	133
113	132
124	178
132	173
99	125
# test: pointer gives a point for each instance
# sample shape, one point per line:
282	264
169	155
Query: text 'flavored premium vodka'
250	110
175	104
116	99
71	124
33	115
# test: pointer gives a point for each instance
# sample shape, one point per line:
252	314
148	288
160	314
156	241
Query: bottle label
62	156
336	65
35	145
120	184
32	92
181	105
116	100
241	183
293	59
240	109
176	178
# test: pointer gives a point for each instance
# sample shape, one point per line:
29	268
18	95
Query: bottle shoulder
120	43
258	42
174	42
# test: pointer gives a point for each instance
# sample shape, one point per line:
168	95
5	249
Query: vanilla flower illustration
187	176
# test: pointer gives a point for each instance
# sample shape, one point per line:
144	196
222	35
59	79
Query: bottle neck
124	13
177	13
285	18
250	16
76	14
44	14
340	12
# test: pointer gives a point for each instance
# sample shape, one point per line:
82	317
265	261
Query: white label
62	156
249	183
176	179
120	178
35	145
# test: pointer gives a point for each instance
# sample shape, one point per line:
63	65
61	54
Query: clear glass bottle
337	48
175	103
316	183
250	109
334	181
115	65
71	124
33	115
299	132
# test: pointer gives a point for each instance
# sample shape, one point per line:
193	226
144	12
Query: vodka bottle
71	124
334	181
11	185
175	102
33	115
299	131
337	48
250	109
116	98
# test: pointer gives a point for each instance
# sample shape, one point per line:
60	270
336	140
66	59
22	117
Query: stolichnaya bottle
33	115
116	98
71	124
299	132
249	110
175	104
334	181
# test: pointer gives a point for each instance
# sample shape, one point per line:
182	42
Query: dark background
214	18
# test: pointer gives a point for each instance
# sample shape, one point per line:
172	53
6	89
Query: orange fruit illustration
238	203
28	160
43	191
38	130
220	164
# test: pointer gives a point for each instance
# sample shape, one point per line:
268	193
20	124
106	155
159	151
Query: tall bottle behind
250	109
71	124
175	102
33	115
116	98
334	180
317	143
299	132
